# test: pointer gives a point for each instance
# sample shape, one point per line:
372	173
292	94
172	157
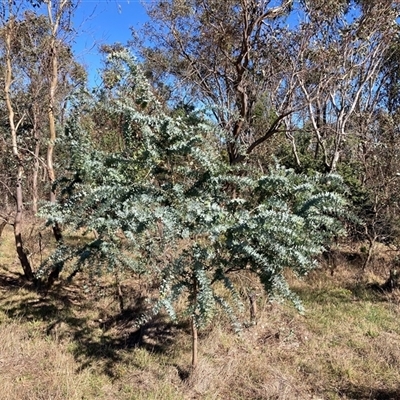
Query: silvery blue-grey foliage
170	206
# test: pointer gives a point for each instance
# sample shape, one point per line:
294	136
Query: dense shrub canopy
169	205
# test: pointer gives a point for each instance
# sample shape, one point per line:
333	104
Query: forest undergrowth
73	342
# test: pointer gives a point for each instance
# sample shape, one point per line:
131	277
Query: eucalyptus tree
14	120
341	73
31	53
160	206
27	91
59	15
380	174
314	66
226	56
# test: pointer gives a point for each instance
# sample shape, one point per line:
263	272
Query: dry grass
74	343
34	367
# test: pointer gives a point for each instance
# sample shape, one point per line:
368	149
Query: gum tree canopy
269	68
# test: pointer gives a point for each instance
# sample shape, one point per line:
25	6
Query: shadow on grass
363	393
66	314
14	280
121	333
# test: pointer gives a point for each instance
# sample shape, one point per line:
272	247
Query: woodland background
235	154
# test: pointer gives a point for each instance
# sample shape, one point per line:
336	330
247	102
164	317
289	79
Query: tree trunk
194	342
52	96
370	253
194	328
25	264
253	308
35	174
23	258
55	24
118	291
2	226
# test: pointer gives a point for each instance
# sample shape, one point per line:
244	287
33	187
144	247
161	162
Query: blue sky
104	22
